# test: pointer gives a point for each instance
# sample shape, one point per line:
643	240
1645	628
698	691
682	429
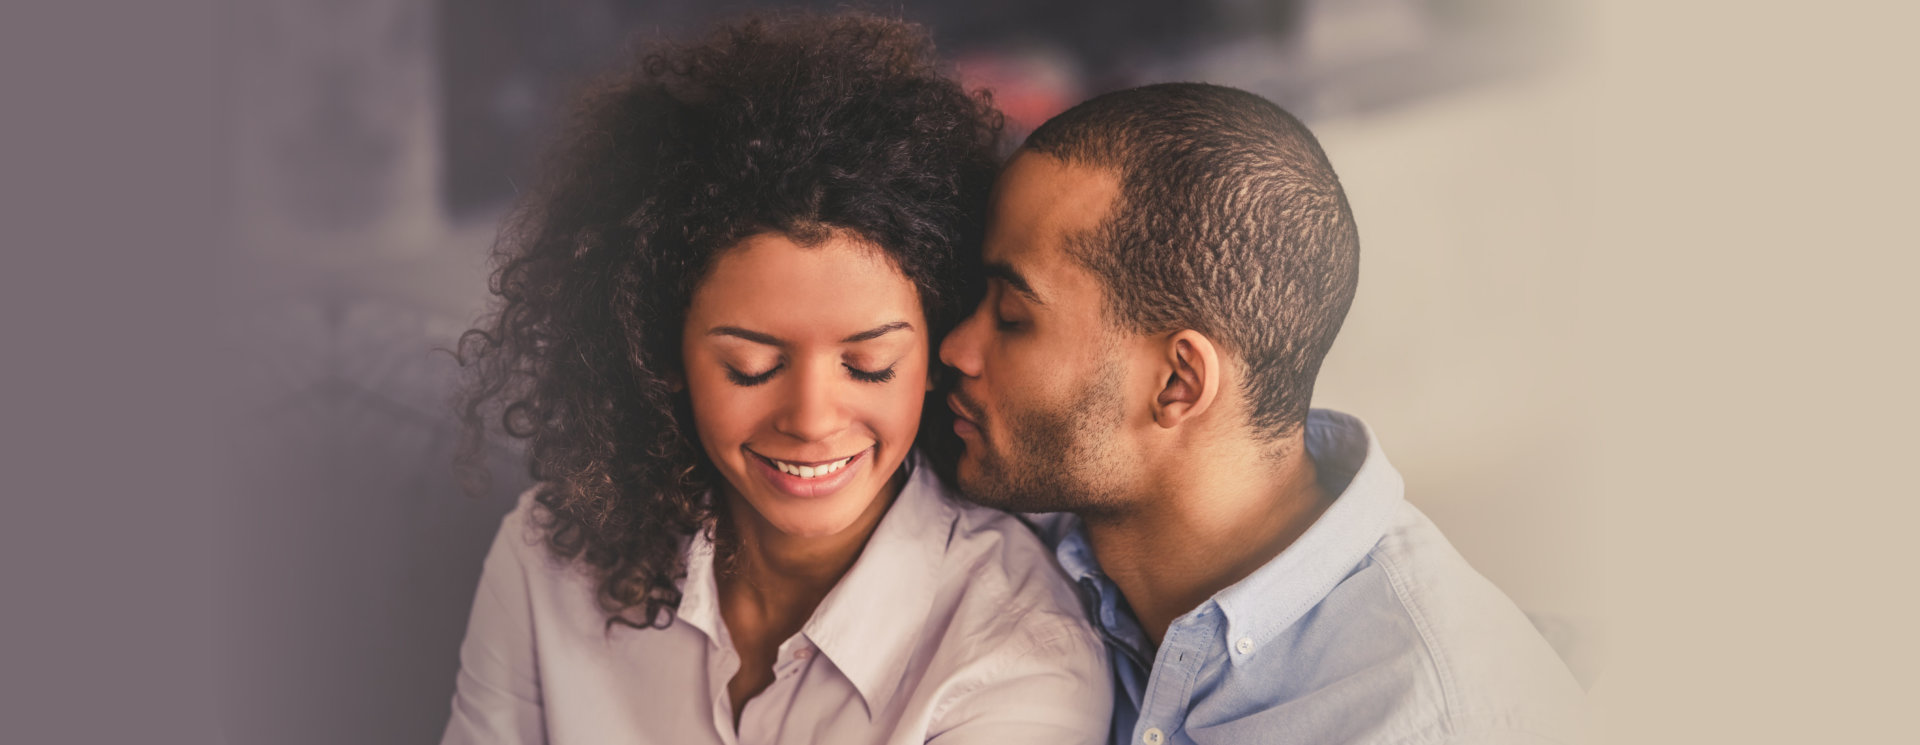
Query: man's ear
1192	365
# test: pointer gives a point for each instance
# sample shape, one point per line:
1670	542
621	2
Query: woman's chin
814	521
818	517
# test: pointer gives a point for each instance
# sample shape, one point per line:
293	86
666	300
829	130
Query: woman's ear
1191	363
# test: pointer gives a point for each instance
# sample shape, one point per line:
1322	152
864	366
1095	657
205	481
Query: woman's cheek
723	415
905	401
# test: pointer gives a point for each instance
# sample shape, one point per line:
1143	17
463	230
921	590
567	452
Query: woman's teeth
810	472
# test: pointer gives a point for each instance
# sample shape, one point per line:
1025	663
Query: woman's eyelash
748	381
876	376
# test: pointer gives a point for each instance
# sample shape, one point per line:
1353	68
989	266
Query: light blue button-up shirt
1370	628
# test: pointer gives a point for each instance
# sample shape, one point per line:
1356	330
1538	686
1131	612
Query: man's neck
1211	521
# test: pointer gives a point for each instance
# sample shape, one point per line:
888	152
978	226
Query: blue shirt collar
1273	597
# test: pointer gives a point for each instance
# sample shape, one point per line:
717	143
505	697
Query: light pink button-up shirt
954	626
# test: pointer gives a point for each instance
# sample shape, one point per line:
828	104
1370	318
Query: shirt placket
722	664
761	719
1175	669
1130	662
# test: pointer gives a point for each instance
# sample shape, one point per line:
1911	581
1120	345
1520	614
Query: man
1168	267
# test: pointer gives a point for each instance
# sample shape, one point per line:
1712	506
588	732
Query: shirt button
801	654
1153	736
1245	646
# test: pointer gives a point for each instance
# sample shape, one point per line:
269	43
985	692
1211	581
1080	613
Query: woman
716	319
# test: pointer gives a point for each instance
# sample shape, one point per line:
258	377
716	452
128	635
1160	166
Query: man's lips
960	410
964	423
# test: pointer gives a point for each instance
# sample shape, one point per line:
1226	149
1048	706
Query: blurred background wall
371	146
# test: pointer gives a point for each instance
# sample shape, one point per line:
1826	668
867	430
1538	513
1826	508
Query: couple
725	315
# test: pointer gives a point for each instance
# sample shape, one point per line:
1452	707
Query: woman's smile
810	479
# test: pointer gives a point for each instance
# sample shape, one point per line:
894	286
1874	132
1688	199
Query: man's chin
967	475
972	482
980	490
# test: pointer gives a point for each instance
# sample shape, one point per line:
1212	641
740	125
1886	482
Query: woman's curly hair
802	125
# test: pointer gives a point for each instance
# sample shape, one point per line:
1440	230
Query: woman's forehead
829	291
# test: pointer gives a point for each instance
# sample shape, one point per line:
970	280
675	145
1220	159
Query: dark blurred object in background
507	65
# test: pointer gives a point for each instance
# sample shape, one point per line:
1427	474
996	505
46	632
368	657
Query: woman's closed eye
746	380
870	376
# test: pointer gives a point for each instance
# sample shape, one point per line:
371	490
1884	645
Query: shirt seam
1030	643
1442	669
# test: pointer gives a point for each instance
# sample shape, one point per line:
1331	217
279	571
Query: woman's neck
771	583
781	578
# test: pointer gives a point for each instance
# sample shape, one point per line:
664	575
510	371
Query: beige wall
1458	350
1737	367
1641	333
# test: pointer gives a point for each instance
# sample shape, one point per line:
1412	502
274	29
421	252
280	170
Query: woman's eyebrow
774	341
877	332
752	336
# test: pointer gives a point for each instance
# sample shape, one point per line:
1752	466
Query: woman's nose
813	412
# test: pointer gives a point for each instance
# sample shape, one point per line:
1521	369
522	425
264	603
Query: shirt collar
869	624
1273	597
700	589
1268	601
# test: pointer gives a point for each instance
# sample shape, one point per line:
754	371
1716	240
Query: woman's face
807	367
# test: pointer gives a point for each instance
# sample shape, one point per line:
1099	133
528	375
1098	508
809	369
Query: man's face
1043	384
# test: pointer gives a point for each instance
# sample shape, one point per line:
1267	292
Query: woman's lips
813	488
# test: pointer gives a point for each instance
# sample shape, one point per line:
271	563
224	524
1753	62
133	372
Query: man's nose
961	349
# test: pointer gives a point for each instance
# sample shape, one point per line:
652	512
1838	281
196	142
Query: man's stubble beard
1056	459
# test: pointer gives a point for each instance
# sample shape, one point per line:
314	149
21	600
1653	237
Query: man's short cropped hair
1230	222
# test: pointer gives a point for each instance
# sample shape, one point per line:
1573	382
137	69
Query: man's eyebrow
752	336
876	332
1005	272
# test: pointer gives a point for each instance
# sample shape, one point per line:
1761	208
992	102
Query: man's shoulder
1459	612
1449	650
